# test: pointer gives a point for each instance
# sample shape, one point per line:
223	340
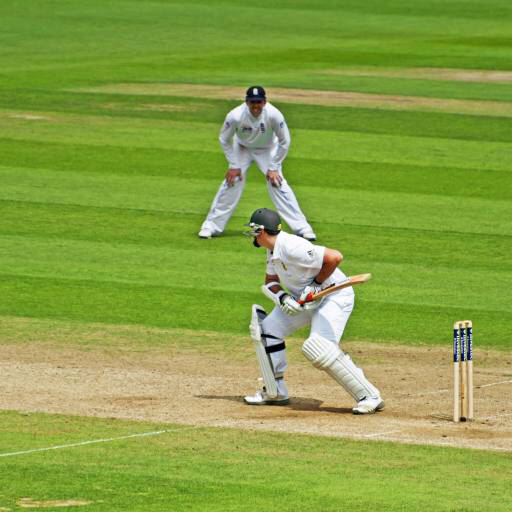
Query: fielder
295	268
255	131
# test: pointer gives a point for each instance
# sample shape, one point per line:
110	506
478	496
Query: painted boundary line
94	441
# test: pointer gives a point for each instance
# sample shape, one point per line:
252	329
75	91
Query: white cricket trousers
227	197
328	320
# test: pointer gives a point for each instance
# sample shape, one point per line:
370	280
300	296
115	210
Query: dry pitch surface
205	389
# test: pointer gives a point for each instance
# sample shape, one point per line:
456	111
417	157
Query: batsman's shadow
296	404
311	404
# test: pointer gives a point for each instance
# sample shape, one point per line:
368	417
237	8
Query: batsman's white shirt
269	130
297	262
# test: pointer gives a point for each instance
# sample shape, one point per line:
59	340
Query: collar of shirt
275	254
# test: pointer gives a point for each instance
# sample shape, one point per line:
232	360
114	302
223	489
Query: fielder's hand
232	175
274	178
289	305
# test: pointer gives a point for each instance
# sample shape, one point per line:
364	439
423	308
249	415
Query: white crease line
440	391
496	416
494	384
382	433
93	441
423	393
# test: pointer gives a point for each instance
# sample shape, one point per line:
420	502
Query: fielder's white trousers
328	320
227	197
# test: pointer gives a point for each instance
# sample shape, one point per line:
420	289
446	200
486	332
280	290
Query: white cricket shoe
308	234
368	405
205	233
261	398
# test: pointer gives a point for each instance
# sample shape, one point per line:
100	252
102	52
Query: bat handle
308	298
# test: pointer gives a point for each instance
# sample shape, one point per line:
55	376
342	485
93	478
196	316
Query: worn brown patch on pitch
28	116
449	74
189	386
314	97
31	503
156	107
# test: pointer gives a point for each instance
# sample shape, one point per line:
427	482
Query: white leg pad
326	356
264	361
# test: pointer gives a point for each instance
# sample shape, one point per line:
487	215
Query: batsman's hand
232	174
308	292
274	178
289	305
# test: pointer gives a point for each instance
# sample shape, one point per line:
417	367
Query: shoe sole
378	408
280	402
208	237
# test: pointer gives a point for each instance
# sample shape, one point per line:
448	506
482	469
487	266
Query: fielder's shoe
261	398
368	405
308	234
205	233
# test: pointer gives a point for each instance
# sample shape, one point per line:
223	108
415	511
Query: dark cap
266	219
255	92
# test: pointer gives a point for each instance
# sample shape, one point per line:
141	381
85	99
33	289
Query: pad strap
275	348
269	336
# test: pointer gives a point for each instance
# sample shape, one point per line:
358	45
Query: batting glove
308	292
289	305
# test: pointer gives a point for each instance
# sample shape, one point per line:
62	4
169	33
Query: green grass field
103	188
220	469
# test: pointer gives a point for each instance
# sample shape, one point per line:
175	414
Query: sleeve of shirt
307	255
271	270
226	141
283	140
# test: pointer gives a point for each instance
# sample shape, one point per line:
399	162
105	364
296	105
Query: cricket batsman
295	269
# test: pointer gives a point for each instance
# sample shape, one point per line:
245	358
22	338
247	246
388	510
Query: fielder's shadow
296	404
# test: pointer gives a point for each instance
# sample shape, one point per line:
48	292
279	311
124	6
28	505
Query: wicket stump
462	370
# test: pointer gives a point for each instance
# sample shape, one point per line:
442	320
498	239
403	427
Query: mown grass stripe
311	117
163	266
389	209
346	145
200	307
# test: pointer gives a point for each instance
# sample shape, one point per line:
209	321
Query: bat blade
350	281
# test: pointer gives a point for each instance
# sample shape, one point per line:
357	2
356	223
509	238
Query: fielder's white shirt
269	130
297	262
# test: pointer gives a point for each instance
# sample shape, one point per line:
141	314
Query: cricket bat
350	281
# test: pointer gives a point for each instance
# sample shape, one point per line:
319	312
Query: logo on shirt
310	253
227	124
246	128
281	124
262	128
